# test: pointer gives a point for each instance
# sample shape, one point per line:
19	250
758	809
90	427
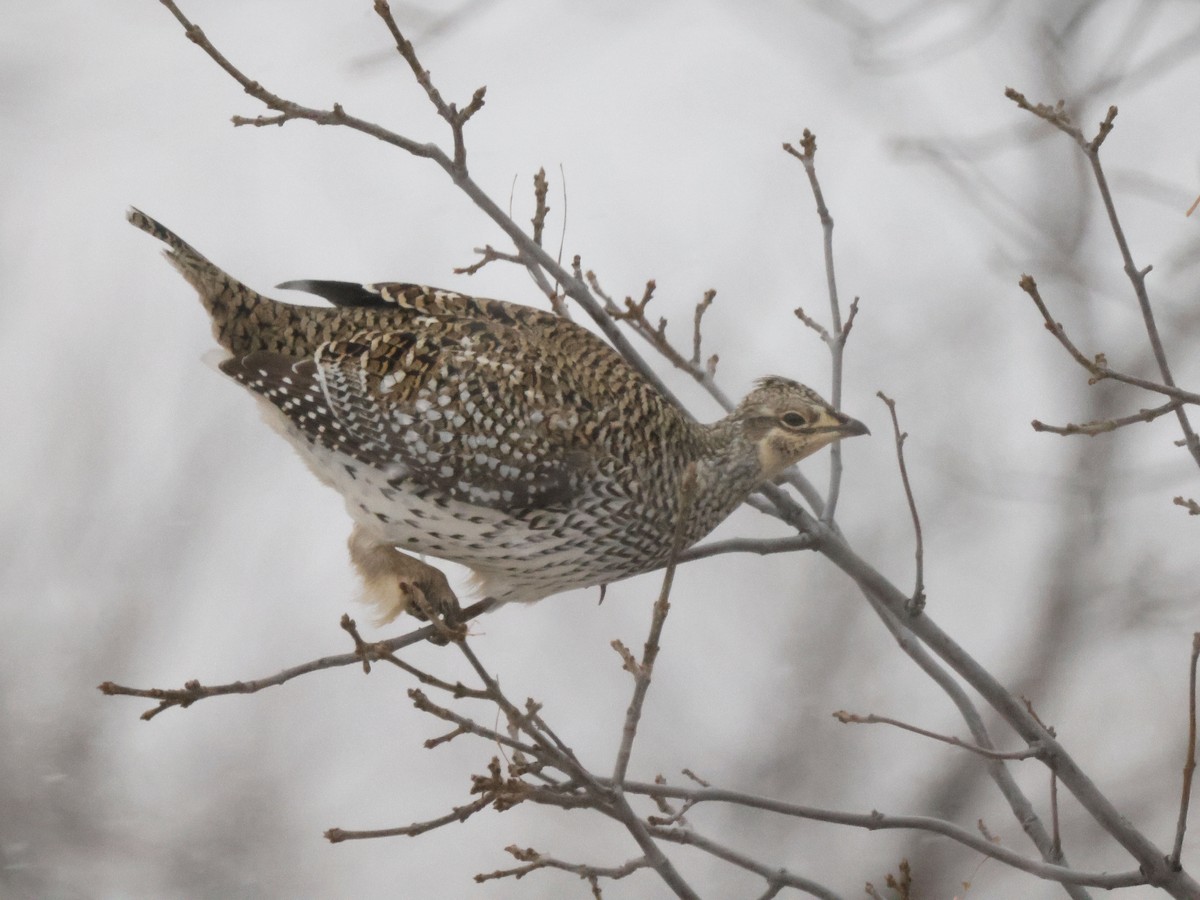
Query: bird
507	439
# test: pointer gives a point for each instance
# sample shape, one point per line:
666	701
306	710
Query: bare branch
1135	274
1098	368
918	597
876	821
1101	426
645	670
1189	504
701	309
458	814
589	873
762	546
453	117
835	337
1189	765
776	878
540	188
488	254
848	718
193	690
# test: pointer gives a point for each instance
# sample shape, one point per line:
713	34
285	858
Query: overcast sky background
153	530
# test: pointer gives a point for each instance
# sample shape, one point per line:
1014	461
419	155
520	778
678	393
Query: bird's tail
229	302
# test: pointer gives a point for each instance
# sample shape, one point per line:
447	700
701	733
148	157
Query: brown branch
488	254
848	718
633	314
540	188
697	318
193	690
1189	765
453	116
458	814
917	602
1136	274
645	669
835	337
1098	368
1101	426
589	873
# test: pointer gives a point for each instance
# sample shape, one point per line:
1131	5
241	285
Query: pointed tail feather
227	300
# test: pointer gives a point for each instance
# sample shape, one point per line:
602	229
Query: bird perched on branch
490	434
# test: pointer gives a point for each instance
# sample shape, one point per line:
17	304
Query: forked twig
1058	117
835	336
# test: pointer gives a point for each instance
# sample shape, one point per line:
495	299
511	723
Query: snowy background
152	529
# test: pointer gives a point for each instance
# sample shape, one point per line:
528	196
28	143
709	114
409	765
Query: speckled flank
492	434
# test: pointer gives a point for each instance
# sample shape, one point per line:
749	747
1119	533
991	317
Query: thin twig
1136	274
917	602
697	318
761	546
540	188
1189	765
458	814
1101	426
193	690
645	670
776	878
534	860
1098	368
835	337
847	718
875	820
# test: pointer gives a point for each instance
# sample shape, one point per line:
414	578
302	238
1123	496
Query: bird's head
787	421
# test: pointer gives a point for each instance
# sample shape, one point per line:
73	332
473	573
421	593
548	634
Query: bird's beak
848	427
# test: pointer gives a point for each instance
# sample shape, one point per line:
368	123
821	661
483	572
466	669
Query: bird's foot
395	582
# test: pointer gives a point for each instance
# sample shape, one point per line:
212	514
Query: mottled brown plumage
491	434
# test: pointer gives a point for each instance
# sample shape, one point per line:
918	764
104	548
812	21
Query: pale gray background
152	530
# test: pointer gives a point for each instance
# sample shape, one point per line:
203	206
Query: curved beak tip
853	427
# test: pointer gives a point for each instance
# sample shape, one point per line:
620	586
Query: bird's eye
793	420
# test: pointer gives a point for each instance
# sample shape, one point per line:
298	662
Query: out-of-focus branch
1189	765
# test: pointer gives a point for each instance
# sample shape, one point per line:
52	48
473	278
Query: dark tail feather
339	293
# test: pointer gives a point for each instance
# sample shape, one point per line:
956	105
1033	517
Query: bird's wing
450	413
